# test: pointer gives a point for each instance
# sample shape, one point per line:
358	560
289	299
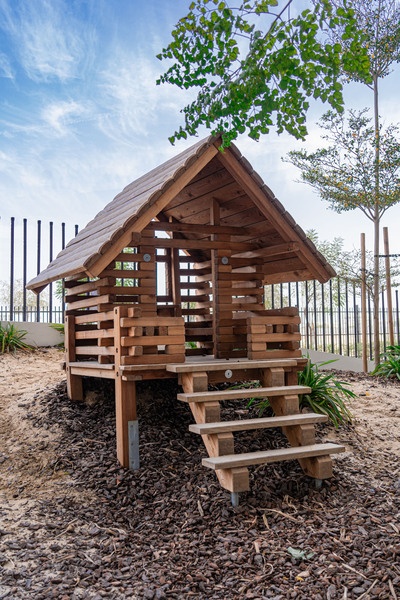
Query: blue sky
81	115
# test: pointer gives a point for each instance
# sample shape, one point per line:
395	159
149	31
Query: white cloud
5	67
60	114
51	43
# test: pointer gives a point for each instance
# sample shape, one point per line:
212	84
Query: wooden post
176	281
125	404
364	307
388	286
74	382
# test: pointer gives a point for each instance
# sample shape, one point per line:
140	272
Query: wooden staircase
278	378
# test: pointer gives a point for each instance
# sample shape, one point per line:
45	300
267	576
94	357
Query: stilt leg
126	423
235	498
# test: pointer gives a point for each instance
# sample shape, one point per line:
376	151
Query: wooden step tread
261	392
220	364
231	461
258	423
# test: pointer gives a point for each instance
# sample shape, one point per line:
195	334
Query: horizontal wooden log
97	372
206	230
273	320
94	350
76	287
221	365
152	359
269	251
90	301
273	354
94	333
152	340
185	244
273	337
152	321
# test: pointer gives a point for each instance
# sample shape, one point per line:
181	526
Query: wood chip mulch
169	531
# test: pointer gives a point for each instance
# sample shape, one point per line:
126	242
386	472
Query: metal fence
330	313
25	249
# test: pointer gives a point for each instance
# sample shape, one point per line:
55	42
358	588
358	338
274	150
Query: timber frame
168	281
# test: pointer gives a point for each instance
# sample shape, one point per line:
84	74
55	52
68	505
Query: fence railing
330	313
29	314
25	249
331	319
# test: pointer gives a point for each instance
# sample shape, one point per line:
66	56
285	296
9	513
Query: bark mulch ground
169	531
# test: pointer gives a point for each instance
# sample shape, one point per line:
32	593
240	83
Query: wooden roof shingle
178	190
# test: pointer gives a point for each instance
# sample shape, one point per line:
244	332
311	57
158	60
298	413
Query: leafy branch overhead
258	66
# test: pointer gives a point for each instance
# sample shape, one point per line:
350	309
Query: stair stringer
319	467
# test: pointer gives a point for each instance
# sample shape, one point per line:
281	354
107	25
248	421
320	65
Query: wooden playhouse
167	281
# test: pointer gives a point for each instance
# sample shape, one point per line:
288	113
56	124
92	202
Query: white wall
342	363
39	334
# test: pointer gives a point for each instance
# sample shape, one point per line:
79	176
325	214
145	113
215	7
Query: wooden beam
194	228
271	212
276	250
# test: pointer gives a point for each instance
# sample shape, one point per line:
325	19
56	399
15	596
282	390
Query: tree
258	67
18	293
347	263
343	173
346	175
380	22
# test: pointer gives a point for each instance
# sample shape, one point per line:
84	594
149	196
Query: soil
75	525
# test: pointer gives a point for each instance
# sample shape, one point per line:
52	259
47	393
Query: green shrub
390	367
12	339
327	397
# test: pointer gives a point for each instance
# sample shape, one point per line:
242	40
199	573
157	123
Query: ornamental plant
12	339
390	366
328	394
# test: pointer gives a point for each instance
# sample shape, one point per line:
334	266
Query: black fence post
383	310
331	317
306	315
12	249
38	253
315	316
339	315
356	324
370	326
63	281
346	295
24	267
51	285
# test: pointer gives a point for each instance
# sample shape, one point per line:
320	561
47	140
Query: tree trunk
376	226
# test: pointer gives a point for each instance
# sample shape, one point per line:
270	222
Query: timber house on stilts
168	281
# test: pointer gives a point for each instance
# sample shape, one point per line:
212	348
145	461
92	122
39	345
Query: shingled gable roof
147	197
